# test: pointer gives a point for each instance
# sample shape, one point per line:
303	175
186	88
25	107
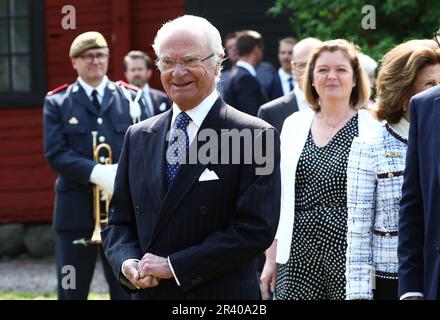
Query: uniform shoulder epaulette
64	86
126	85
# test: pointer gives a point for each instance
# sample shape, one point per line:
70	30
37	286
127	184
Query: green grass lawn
44	296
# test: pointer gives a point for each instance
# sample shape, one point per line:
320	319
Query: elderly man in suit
138	71
243	91
419	221
276	111
192	229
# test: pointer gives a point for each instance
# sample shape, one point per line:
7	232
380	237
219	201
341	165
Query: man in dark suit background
283	81
229	43
192	230
243	91
71	113
138	68
419	222
276	111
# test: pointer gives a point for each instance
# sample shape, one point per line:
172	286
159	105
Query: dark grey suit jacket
212	231
276	111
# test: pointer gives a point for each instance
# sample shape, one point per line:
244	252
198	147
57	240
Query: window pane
3	8
4	45
18	7
21	74
19	35
4	71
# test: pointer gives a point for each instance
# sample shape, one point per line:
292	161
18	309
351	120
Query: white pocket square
208	175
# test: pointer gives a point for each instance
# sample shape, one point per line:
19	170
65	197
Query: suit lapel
80	96
155	140
188	174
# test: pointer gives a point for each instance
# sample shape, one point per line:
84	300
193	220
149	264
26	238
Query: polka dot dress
316	266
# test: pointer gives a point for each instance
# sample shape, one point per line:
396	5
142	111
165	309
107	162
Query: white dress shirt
100	88
284	77
301	98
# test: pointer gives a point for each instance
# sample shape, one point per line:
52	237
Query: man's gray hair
191	23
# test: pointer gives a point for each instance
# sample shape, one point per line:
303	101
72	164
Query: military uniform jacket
69	119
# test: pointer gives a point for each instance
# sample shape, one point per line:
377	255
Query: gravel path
38	275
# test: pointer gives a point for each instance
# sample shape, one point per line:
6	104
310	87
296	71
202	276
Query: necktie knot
182	121
95	100
290	80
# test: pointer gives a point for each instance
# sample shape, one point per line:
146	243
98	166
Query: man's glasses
168	64
437	37
88	58
300	66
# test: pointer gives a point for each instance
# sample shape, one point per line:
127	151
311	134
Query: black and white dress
316	265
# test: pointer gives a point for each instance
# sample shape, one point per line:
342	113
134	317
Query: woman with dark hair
375	172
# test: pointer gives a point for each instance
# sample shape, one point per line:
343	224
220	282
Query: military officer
71	113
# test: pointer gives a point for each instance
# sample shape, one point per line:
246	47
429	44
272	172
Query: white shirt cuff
411	294
122	267
172	271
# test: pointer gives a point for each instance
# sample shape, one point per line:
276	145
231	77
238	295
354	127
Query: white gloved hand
104	176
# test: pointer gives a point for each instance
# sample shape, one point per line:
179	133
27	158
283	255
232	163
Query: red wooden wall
26	183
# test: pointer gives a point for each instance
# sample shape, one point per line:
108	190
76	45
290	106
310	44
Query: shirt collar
88	88
300	98
284	76
247	66
199	112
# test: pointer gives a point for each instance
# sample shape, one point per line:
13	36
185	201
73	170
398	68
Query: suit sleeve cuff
172	271
411	294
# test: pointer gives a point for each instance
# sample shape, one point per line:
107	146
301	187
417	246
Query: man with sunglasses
71	114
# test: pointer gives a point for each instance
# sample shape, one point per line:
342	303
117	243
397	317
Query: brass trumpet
100	214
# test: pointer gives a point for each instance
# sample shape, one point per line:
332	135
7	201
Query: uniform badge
162	106
73	120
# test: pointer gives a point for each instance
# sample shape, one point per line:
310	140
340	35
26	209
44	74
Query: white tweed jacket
293	138
374	182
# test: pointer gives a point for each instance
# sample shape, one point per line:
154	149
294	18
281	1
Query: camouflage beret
86	41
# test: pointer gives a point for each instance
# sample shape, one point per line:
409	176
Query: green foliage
396	21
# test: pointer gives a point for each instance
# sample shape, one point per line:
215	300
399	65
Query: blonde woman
310	244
